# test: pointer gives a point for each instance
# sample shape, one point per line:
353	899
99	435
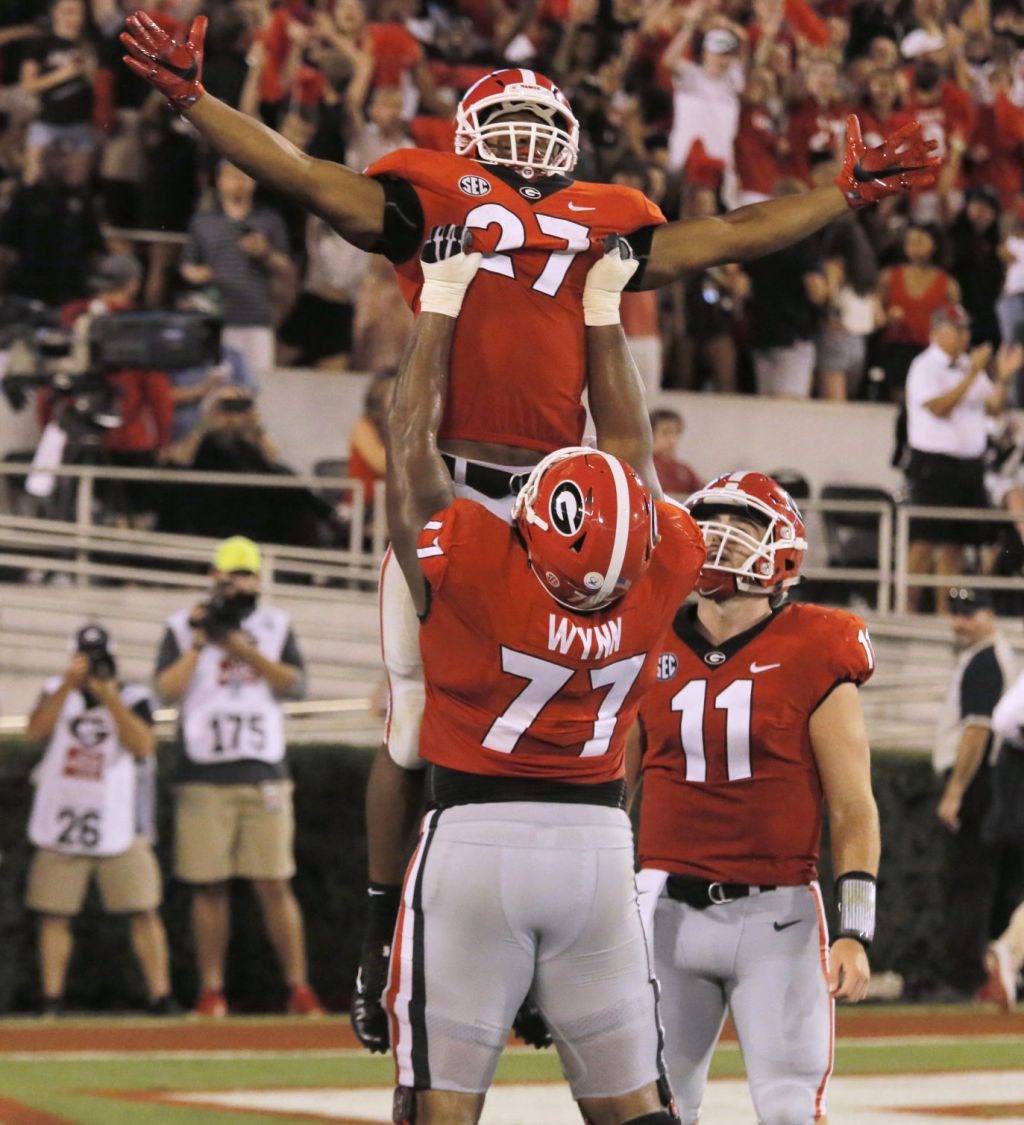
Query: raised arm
418	484
352	203
902	161
614	390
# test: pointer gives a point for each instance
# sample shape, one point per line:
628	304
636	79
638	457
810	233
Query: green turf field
94	1087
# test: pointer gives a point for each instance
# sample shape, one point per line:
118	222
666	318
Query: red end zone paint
14	1113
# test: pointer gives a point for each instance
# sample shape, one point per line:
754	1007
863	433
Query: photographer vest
229	713
86	784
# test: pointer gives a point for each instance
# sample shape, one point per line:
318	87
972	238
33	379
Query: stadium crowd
704	105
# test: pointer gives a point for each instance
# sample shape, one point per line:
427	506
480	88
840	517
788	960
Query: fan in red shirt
758	149
752	728
818	122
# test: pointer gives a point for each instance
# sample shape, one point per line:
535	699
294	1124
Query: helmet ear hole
578	545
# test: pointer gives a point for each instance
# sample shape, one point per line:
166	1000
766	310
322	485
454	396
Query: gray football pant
774	983
502	898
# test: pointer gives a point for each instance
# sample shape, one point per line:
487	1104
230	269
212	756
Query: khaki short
129	883
226	831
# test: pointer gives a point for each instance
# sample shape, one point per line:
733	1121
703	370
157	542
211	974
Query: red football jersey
731	789
517	684
518	365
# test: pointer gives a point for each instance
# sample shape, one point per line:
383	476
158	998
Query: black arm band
402	232
382	903
855	896
640	240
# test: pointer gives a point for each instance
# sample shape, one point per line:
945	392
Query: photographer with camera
140	396
93	815
228	662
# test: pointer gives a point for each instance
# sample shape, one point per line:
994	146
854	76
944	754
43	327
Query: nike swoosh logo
755	667
863	176
573	207
785	925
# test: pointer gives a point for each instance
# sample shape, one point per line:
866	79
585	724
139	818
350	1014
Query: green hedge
331	858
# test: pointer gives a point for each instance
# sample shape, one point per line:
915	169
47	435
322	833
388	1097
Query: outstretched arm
418	484
614	390
352	203
903	161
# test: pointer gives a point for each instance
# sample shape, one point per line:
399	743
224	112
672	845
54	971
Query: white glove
607	277
448	269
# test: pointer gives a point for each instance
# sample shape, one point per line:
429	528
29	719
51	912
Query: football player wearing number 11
535	640
753	725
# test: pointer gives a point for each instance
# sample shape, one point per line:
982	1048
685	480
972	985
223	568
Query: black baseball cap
964	601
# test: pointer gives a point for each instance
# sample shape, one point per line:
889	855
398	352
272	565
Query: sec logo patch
668	665
474	185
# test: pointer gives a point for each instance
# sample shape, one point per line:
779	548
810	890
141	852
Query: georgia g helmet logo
566	508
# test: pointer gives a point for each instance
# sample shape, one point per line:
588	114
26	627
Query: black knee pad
662	1117
403	1106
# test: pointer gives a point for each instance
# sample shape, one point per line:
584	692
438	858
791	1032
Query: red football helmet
546	144
741	561
589	526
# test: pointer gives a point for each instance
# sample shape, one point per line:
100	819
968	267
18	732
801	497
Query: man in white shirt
949	396
960	755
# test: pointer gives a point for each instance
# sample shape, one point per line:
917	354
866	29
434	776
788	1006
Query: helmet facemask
546	144
741	560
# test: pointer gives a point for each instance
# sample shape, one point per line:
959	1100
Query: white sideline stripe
865	1042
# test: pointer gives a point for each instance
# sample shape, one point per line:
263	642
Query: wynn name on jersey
595	642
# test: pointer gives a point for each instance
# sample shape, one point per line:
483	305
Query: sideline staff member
93	815
228	662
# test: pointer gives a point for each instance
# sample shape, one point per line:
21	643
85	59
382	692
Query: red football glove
172	68
901	162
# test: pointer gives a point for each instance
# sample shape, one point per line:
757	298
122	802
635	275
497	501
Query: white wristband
600	306
444	297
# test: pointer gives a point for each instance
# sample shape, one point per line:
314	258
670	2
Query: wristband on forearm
855	895
600	307
444	297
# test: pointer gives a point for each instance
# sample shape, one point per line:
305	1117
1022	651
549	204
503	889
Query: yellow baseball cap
237	553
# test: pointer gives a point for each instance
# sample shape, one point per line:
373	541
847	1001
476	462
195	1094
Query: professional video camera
224	611
93	641
74	363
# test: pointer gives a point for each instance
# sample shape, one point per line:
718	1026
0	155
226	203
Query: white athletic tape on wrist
444	297
600	307
855	893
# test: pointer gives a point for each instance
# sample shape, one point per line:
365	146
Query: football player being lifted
518	367
535	642
754	725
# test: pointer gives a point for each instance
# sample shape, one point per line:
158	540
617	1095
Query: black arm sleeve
981	685
169	651
640	240
144	711
403	221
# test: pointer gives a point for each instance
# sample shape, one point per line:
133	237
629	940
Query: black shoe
164	1006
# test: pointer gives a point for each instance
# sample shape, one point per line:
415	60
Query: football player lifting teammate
752	726
518	361
535	642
